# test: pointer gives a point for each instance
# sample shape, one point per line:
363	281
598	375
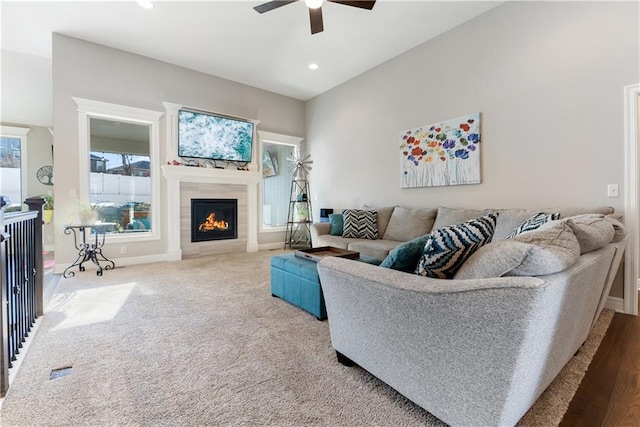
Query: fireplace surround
186	183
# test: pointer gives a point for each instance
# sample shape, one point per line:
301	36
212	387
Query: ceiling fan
315	9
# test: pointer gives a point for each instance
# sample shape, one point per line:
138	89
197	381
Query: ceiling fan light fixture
313	4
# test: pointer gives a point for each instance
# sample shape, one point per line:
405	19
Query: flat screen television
209	136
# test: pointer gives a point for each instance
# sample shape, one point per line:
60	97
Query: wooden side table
88	249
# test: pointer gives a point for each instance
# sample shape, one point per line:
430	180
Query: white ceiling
228	39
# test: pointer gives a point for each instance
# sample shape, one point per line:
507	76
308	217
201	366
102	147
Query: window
13	149
276	179
122	161
120	174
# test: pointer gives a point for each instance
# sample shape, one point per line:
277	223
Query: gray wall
91	71
548	80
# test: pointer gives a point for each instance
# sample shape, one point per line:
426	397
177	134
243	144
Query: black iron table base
89	250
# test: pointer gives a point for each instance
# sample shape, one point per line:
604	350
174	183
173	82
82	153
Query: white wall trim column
631	118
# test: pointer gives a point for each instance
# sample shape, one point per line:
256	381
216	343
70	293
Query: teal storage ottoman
296	281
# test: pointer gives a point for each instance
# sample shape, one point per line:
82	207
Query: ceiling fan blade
355	3
315	16
270	5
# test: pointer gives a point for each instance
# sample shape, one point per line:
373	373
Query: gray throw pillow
494	260
618	228
555	248
592	231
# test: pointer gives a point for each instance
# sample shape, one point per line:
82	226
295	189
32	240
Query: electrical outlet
123	249
612	190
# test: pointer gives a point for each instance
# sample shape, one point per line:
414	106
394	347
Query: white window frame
272	138
88	109
21	134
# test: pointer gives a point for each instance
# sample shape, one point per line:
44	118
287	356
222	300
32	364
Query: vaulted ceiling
228	39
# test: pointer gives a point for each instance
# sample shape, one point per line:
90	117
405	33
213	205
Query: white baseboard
119	262
146	259
270	246
172	256
616	304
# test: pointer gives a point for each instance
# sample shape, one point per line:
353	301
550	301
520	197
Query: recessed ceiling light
313	66
145	3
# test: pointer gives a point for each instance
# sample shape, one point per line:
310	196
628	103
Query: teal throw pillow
337	224
405	256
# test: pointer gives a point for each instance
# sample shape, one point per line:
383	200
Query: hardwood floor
609	394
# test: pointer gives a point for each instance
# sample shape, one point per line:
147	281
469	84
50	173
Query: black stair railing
21	281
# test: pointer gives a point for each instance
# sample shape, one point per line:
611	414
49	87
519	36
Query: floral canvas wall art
445	153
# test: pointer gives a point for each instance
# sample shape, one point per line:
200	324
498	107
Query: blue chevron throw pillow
534	223
360	224
449	247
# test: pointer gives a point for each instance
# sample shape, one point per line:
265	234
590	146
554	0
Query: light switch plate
612	190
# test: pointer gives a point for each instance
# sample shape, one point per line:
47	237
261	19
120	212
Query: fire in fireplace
214	219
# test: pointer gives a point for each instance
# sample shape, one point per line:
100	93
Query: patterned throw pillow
449	247
533	223
360	224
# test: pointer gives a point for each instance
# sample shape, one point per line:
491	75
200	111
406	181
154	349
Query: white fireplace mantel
177	174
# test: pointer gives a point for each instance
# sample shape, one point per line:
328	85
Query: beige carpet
202	342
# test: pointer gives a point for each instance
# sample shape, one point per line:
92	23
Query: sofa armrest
318	229
387	277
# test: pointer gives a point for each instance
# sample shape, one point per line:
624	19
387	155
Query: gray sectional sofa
477	350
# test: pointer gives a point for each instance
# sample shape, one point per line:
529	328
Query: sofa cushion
447	248
335	241
555	248
406	223
360	224
618	229
592	231
509	220
378	249
494	260
405	256
449	216
384	215
337	224
566	212
533	223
